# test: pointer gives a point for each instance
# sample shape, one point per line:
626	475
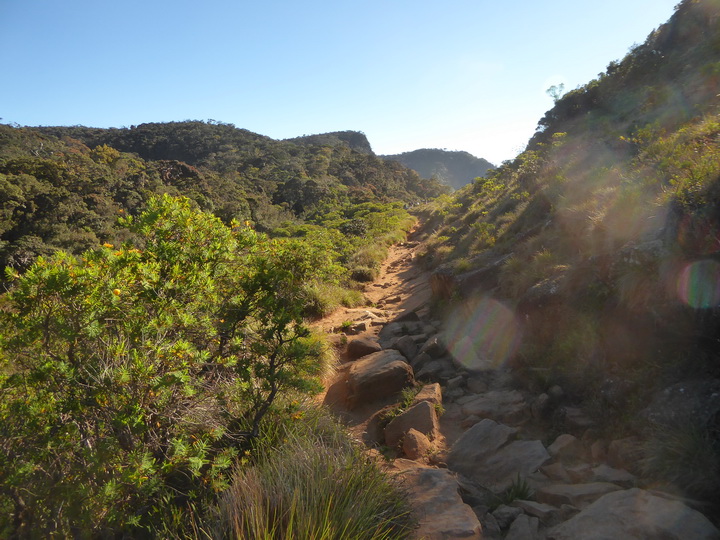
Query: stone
566	448
421	417
394	330
434	347
523	528
416	445
362	346
469	421
477	384
556	472
454	383
507	406
430	392
377	376
580	473
420	361
540	407
440	511
598	451
487	454
490	527
435	370
407	316
544	512
578	495
338	392
621	477
357	328
505	515
406	346
626	454
576	419
635	514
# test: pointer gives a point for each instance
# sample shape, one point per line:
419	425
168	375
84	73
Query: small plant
519	490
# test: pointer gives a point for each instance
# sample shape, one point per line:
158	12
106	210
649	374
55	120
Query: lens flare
482	334
699	284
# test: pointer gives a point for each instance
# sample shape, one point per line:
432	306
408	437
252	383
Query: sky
464	75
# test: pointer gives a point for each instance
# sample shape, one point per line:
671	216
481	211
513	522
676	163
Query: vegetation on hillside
602	239
455	169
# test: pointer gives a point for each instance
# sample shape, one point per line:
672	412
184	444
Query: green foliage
519	490
315	484
132	375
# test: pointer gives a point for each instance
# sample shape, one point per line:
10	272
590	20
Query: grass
311	481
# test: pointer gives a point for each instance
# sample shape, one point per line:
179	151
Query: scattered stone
430	392
406	346
441	513
556	472
483	439
407	316
454	393
576	419
566	448
636	514
397	329
469	421
605	473
507	406
357	328
626	454
362	346
455	382
544	512
540	407
490	527
578	495
434	347
556	393
416	445
419	339
477	384
435	370
505	515
420	361
598	451
376	376
580	473
523	528
421	417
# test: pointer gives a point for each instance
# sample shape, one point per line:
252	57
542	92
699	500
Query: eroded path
501	461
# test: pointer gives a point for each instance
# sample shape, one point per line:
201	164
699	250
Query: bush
311	481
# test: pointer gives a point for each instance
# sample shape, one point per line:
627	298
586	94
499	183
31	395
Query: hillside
63	187
601	242
354	140
456	169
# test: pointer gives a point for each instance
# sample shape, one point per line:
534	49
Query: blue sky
458	74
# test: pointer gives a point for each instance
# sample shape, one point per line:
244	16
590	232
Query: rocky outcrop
421	417
636	514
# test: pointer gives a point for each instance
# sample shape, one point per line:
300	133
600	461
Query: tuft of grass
311	481
321	299
519	490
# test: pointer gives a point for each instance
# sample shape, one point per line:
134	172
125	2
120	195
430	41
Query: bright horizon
466	75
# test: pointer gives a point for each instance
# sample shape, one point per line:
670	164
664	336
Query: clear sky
456	74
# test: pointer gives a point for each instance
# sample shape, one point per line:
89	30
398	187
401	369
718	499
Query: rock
407	316
430	392
505	515
540	407
566	448
544	512
523	528
377	376
357	328
487	454
580	473
605	473
578	495
556	393
434	347
556	472
454	383
507	406
394	330
416	445
635	514
626	454
490	527
469	421
576	419
337	393
420	361
441	513
435	370
406	346
477	384
362	346
421	417
598	451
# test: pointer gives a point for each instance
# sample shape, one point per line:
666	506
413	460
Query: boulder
430	392
626	454
434	347
566	448
487	454
377	376
420	361
505	515
416	445
421	417
544	512
507	406
362	346
523	528
440	511
605	473
577	495
576	419
406	346
636	514
394	330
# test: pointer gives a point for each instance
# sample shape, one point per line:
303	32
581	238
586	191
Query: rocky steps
487	467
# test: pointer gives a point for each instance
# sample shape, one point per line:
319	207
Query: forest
157	362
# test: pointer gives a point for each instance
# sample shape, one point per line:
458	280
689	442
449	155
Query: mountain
590	262
355	140
455	169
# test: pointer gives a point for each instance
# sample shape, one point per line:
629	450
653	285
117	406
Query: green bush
130	378
311	481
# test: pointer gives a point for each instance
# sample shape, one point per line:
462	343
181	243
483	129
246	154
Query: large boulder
636	514
421	417
377	376
488	454
362	346
506	406
578	495
406	345
440	510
